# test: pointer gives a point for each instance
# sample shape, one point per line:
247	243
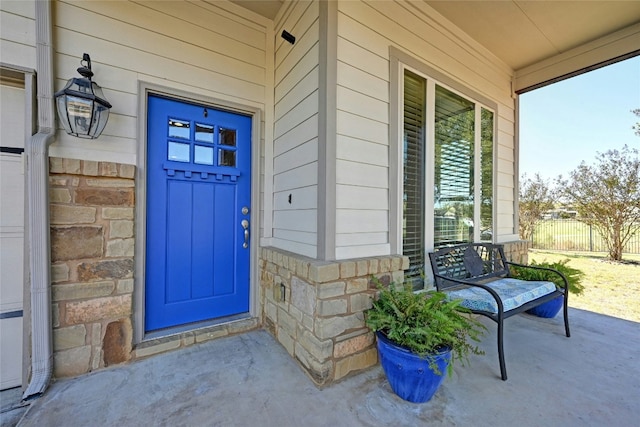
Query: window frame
399	62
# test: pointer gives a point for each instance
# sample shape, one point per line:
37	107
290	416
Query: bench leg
566	317
503	367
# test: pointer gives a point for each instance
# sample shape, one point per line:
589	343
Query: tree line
606	195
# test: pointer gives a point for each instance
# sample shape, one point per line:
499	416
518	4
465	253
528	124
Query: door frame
144	90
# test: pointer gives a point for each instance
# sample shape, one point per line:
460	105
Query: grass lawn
611	288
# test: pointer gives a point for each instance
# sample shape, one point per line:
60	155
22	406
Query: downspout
38	208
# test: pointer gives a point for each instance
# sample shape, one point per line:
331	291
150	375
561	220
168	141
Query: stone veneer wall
517	251
92	272
315	309
92	248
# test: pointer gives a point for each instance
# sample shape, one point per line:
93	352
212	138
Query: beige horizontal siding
305	240
295	145
194	47
18	33
299	156
16	28
361	174
242	38
298	114
300	177
298	198
366	30
421	32
362	151
292	242
305	87
24	8
365	221
361	197
363	82
302	23
506	152
362	104
304	66
360	127
163	34
18	54
356	251
360	239
362	59
304	220
303	132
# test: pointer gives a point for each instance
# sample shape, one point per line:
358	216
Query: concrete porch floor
590	379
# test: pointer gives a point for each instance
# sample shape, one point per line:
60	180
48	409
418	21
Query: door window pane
204	133
203	155
227	137
178	152
226	157
179	129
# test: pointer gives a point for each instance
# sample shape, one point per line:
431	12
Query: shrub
425	323
573	275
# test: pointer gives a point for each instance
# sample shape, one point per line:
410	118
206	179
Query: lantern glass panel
61	104
97	90
100	117
79	111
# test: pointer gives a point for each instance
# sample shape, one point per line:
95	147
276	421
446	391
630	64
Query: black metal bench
478	274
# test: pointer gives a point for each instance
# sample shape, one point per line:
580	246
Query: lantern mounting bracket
85	71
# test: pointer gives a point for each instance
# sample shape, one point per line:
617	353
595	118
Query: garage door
11	234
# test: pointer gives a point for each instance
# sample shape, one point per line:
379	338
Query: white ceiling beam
616	46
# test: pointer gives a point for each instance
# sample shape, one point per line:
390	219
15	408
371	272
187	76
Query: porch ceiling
522	33
266	8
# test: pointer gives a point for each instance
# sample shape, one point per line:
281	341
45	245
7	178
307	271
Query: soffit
522	33
266	8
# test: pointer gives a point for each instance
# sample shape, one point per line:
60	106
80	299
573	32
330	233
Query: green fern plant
574	276
425	323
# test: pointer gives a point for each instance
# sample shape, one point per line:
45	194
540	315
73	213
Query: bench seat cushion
512	292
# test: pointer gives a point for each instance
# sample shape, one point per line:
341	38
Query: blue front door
198	213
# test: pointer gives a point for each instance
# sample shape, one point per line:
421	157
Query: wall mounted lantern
82	108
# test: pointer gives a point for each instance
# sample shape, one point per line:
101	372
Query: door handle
245	226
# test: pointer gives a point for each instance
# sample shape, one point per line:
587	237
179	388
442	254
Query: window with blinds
453	176
460	133
486	177
414	173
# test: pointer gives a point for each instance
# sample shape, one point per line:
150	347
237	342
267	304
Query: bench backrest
472	262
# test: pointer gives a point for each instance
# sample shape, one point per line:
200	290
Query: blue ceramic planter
548	309
409	375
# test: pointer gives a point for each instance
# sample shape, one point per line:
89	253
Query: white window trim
398	62
477	173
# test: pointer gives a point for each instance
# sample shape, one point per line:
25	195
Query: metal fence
573	235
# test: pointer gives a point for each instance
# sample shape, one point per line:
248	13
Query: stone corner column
316	309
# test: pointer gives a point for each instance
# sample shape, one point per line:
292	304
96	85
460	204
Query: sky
567	122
